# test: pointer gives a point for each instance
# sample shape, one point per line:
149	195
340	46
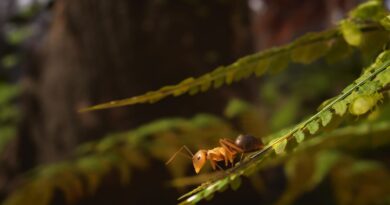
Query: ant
226	152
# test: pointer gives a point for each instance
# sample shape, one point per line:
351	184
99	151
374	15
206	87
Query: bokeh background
58	56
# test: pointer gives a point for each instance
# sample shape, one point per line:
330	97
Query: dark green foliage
8	113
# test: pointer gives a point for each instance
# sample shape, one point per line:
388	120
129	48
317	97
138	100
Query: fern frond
119	153
304	50
368	84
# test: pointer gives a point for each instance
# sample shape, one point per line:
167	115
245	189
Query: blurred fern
119	153
8	113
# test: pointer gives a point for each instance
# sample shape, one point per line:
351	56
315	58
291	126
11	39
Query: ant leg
229	144
179	151
231	148
213	164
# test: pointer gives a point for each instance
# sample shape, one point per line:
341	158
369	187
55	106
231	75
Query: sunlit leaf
340	108
386	22
313	127
384	78
363	104
299	136
326	117
279	145
370	10
351	33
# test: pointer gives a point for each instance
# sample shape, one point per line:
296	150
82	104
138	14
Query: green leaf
326	117
194	90
235	182
385	22
324	161
384	77
299	136
230	77
222	185
369	87
184	87
340	108
243	71
279	145
351	33
313	127
262	66
370	10
309	53
364	103
193	199
206	82
339	50
279	62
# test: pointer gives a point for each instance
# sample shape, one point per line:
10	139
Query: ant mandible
226	152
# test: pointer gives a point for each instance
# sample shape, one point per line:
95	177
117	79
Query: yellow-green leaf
230	77
351	33
309	53
385	22
206	82
313	127
363	104
384	77
279	145
340	108
279	62
326	117
262	67
299	136
370	10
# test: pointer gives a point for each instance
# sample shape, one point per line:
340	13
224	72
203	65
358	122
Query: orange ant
226	152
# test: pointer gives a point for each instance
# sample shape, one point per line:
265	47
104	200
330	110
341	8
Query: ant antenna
179	151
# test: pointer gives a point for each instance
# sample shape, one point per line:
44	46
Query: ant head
199	159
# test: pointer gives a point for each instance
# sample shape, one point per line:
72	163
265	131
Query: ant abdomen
248	143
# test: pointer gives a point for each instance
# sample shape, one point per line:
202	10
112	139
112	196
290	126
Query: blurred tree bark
97	51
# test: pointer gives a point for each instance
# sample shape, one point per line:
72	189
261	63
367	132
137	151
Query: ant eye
198	157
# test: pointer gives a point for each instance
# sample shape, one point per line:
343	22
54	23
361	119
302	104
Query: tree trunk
98	51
